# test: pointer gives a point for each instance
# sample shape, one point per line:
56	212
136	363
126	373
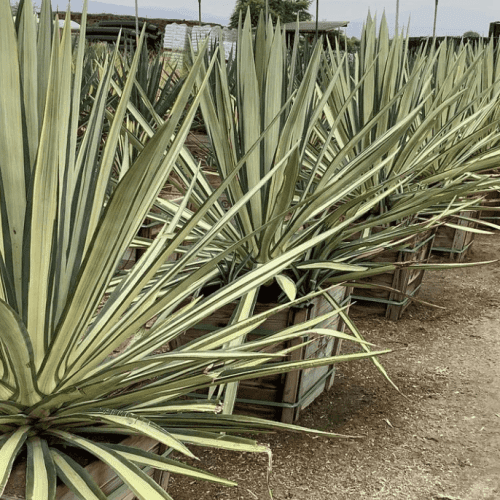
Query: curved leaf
20	354
287	285
140	483
9	451
144	427
75	477
158	462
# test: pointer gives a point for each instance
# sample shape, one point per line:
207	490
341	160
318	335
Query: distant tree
471	34
337	37
353	44
286	10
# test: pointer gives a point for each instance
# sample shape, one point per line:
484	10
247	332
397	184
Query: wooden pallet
401	284
282	397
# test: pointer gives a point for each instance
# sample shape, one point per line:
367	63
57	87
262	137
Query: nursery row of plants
324	164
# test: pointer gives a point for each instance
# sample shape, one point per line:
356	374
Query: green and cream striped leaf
233	423
40	471
18	353
356	332
141	457
276	368
212	440
75	477
9	451
287	285
139	425
41	221
139	482
12	160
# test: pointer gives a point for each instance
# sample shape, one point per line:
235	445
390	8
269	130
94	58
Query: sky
454	16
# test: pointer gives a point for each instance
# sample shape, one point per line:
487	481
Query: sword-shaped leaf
8	453
139	482
75	477
142	457
40	471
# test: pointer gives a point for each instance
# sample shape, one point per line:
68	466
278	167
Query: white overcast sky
454	16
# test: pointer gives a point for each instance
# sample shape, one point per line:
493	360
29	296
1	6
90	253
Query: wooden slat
291	387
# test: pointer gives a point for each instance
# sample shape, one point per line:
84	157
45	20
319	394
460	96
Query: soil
439	440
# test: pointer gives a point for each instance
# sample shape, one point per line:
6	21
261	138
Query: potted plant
263	128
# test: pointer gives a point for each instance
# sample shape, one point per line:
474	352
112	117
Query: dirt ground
441	441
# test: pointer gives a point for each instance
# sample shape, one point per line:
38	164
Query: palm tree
435	19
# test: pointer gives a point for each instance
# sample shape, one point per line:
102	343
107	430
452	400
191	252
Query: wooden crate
453	242
406	280
491	207
282	397
103	475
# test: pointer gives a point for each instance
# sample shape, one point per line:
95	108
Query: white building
179	37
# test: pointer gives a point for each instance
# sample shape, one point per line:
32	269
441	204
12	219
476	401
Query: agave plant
266	106
326	198
454	136
266	127
157	86
327	190
76	359
449	82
